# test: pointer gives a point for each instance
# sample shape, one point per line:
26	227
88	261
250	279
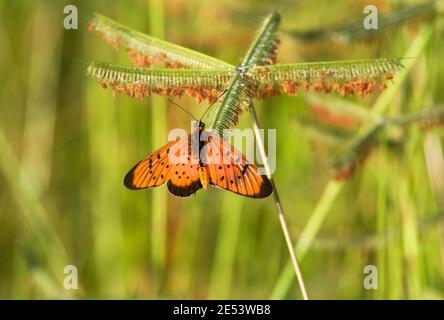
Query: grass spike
345	77
146	50
262	52
139	82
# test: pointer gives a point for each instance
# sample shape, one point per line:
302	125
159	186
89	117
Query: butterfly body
196	161
203	176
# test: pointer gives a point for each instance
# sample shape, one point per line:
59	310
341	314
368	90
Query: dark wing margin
266	188
185	190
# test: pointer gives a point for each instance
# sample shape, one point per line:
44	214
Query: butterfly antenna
215	101
183	109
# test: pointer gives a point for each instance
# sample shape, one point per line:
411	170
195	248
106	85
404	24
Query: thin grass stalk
308	234
278	202
396	265
410	248
41	103
159	205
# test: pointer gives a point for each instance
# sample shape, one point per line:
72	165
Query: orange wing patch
230	170
184	177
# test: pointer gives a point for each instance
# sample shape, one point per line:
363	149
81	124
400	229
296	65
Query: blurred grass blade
321	133
331	120
105	207
146	50
338	112
223	262
34	214
338	123
410	243
356	151
427	117
41	104
354	30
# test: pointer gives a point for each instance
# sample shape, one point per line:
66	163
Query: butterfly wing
184	177
156	169
230	170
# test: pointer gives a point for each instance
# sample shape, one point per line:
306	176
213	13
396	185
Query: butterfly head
198	126
201	126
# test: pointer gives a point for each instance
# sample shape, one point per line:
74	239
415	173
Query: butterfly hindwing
230	170
184	176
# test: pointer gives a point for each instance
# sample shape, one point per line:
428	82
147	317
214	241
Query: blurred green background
66	144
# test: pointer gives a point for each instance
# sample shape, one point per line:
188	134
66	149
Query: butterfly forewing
151	171
157	168
230	170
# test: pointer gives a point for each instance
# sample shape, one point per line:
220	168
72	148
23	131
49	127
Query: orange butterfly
186	171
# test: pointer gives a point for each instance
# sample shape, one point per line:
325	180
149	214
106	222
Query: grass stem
278	202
